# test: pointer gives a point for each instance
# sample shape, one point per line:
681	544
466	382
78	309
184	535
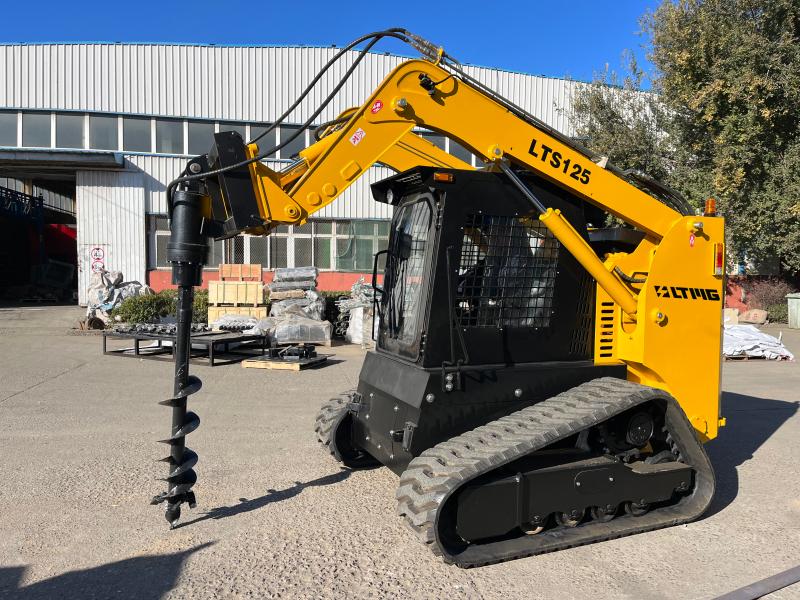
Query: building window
8	128
459	151
258	249
201	137
266	142
357	242
103	133
297	144
36	130
279	247
327	245
69	130
216	253
136	134
158	234
169	136
237	127
436	139
323	244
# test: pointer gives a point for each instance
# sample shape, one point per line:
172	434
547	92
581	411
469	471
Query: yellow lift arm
664	322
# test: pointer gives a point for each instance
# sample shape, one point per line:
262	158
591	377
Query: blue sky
559	39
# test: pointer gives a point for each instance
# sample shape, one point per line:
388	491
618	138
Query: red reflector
719	259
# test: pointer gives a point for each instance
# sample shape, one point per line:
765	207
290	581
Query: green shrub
200	306
779	313
152	308
142	309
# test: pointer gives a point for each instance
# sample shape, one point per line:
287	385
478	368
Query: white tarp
747	340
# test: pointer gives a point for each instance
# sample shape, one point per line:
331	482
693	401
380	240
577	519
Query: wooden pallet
283	364
326	343
741	357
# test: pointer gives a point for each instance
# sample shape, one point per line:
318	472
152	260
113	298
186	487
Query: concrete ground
278	518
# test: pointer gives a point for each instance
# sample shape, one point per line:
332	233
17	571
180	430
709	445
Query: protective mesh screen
507	273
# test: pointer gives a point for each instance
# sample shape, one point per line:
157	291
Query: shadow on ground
271	496
142	577
751	422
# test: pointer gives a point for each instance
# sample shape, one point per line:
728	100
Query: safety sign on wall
97	255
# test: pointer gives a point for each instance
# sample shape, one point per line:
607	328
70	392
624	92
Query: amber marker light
445	177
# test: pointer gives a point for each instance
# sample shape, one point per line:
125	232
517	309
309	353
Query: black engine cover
396	395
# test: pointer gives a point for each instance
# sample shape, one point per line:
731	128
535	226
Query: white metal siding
110	215
236	83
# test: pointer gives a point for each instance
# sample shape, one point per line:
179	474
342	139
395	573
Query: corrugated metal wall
237	83
110	216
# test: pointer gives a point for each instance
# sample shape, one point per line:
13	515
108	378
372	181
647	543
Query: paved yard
278	518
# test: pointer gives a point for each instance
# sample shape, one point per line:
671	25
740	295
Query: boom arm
639	320
419	93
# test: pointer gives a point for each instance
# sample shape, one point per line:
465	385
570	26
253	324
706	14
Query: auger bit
186	251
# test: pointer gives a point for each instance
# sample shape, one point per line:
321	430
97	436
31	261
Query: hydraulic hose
374	39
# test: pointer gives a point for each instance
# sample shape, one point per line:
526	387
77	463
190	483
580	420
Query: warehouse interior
38	226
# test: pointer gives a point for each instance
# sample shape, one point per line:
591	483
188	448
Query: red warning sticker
376	107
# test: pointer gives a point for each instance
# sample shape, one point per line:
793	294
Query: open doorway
38	251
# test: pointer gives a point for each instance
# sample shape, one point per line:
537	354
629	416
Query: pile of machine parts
296	313
158	328
356	311
296	287
106	291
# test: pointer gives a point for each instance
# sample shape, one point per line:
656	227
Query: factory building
91	134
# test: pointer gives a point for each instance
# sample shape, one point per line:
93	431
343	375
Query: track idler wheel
334	431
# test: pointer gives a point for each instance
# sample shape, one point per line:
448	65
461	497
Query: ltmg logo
686	293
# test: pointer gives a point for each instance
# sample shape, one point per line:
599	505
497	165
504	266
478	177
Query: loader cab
481	312
473	278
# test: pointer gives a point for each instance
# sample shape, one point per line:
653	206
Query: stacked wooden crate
239	291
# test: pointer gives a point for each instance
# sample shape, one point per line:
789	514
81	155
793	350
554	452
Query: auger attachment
186	251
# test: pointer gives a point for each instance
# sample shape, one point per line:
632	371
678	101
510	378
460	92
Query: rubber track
432	478
328	414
